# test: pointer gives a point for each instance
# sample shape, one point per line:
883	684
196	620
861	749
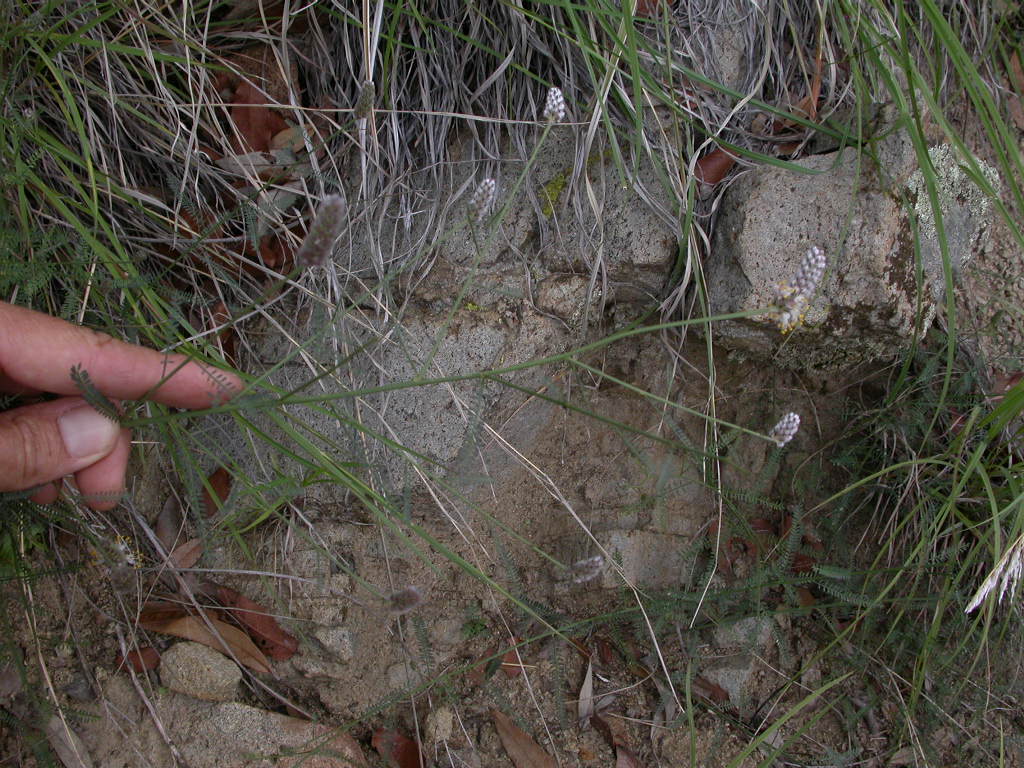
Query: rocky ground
520	492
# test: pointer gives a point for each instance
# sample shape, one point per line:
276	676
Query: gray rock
200	672
648	558
313	665
230	735
846	203
440	724
337	640
738	651
404	675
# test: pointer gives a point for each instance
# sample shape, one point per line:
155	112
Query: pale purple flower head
786	429
554	106
482	201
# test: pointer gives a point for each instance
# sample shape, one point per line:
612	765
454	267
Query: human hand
43	442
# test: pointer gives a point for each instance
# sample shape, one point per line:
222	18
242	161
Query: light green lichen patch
551	192
964	205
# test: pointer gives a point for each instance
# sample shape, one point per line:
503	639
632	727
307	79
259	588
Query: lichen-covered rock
862	211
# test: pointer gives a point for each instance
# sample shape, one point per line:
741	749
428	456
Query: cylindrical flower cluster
793	298
482	200
786	429
326	227
554	106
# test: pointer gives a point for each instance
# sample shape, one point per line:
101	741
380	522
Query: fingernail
86	432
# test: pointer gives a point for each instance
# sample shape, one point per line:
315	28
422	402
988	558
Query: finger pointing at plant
43	442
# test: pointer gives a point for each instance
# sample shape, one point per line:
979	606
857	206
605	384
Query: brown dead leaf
291	138
651	8
802	563
231	639
610	729
486	666
169	526
397	749
805	598
258	84
1003	383
1016	103
161	610
710	690
714	166
624	758
186	554
808	106
220	482
146	657
613	730
511	664
228	336
254	619
522	750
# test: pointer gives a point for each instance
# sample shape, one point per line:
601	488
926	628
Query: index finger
38	351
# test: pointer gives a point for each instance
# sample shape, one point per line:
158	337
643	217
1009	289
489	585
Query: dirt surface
506	613
578	488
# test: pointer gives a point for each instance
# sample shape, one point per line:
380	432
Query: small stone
439	725
200	672
648	558
403	675
446	634
337	640
313	666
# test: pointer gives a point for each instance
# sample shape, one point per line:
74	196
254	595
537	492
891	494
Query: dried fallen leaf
651	8
714	166
263	628
223	637
66	744
903	756
169	525
146	657
522	750
486	666
161	610
1016	104
613	731
802	563
805	598
397	749
186	554
10	681
255	122
710	690
585	704
220	481
624	758
228	336
511	664
1003	383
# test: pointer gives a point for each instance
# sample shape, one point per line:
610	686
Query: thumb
45	441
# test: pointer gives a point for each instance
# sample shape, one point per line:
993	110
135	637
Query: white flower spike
786	429
316	248
482	200
793	298
554	106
